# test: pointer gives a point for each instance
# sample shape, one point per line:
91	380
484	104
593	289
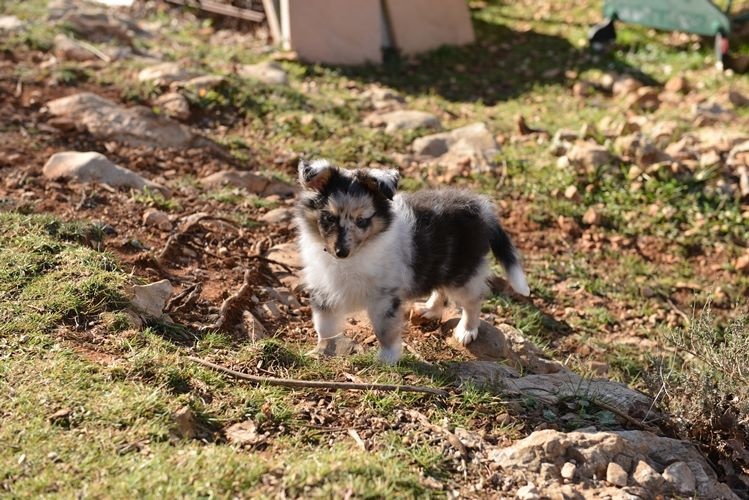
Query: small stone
680	477
431	145
61	417
645	99
589	155
742	264
10	23
592	217
93	167
549	472
710	159
252	327
678	84
625	85
187	424
528	492
244	433
67	49
738	99
568	470
599	368
645	476
200	83
277	215
252	182
616	475
582	89
164	74
152	298
268	72
156	218
403	120
174	104
571	193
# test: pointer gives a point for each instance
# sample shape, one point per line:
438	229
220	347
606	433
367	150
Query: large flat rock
107	120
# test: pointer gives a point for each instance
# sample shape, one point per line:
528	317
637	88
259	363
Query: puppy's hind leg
433	307
386	315
469	298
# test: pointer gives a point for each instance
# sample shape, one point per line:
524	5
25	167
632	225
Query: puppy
365	247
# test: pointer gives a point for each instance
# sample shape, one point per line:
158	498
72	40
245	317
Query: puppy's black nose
341	253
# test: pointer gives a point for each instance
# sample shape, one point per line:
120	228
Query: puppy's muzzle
341	252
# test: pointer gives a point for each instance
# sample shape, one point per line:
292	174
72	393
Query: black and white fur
365	247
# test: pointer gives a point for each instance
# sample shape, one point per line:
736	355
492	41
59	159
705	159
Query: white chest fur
349	284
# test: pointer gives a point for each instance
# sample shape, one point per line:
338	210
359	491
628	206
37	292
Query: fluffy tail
506	254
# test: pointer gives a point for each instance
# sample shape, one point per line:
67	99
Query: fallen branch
223	9
616	411
319	384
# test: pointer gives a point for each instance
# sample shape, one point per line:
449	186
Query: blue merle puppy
364	246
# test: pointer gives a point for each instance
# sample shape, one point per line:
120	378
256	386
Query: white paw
465	336
390	355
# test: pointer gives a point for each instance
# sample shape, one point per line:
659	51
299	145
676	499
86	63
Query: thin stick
617	411
304	384
223	9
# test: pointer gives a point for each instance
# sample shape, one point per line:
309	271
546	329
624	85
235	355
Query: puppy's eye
363	222
328	219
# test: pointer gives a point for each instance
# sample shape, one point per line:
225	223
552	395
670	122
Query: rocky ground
623	179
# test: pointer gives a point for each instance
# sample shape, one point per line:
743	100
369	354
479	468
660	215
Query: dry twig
319	384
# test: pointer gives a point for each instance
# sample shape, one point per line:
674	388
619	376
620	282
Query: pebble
568	470
616	475
156	218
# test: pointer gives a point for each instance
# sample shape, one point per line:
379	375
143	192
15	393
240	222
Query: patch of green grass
153	198
48	281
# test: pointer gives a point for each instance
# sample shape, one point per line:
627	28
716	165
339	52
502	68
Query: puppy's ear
384	181
315	175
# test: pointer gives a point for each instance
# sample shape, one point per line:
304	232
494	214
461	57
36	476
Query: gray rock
616	475
596	451
432	145
285	253
10	23
277	215
205	82
68	49
569	470
136	126
152	298
528	492
680	477
174	105
644	475
100	25
738	99
94	167
639	149
251	181
625	85
156	218
475	137
164	74
268	72
589	155
403	120
382	98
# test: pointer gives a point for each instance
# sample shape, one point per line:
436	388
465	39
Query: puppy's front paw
465	336
390	354
422	310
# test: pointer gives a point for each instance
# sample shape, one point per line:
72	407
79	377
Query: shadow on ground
501	65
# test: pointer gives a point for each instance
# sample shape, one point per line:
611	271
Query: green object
692	16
